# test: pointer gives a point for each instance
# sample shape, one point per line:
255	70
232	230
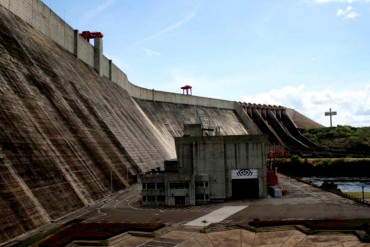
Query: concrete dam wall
64	132
169	118
43	19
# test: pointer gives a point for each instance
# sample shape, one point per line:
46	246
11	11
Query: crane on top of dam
186	89
91	35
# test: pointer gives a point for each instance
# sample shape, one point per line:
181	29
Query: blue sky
310	55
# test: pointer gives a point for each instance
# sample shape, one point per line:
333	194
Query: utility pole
330	114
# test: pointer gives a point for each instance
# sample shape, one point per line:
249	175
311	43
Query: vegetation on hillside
324	167
341	137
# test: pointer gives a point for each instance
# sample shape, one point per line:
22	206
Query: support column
110	69
77	43
98	55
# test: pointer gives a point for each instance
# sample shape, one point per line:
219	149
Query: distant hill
341	137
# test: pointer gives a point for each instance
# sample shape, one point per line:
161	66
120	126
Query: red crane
186	88
91	35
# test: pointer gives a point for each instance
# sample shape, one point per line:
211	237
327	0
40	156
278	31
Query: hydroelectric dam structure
73	128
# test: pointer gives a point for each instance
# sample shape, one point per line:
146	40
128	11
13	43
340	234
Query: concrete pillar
77	43
110	69
98	55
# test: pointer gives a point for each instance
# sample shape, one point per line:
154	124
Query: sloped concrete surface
170	118
67	135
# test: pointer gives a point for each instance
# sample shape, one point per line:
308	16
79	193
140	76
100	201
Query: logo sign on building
244	174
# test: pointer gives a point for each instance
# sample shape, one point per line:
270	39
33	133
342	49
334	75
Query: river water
344	184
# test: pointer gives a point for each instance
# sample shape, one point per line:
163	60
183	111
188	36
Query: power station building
209	169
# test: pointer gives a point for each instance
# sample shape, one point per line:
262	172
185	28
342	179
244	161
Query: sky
309	55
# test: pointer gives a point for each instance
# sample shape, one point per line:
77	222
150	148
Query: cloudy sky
310	55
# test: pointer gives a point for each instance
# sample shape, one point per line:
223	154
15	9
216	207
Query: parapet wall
42	18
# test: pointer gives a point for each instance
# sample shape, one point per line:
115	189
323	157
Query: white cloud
150	52
90	14
170	28
177	24
352	106
347	13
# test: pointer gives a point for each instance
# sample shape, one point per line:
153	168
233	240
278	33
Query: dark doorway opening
179	200
245	188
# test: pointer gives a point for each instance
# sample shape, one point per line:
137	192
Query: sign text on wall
244	174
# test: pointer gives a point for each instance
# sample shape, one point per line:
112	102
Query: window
144	199
151	198
179	185
201	184
144	186
150	186
160	198
160	185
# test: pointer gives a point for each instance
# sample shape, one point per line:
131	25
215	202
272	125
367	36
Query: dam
73	129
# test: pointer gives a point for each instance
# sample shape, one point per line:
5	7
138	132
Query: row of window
179	185
198	197
153	198
176	185
201	184
153	186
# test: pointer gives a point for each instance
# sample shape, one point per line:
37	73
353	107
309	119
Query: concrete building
209	169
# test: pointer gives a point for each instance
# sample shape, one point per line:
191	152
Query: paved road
124	208
302	202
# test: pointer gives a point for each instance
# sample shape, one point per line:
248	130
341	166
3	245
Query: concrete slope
282	125
301	121
284	134
169	118
265	127
65	132
287	121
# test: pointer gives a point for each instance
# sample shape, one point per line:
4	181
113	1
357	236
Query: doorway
245	188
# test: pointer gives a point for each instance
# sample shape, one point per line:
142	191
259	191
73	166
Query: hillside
347	138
